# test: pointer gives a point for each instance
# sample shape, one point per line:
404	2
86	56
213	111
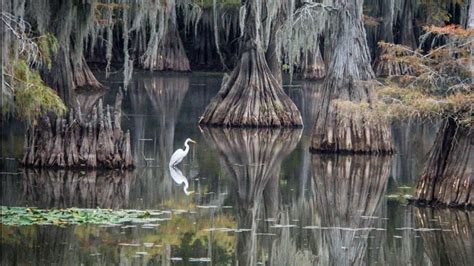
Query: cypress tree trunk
93	140
348	79
447	178
166	53
252	96
314	68
69	23
406	24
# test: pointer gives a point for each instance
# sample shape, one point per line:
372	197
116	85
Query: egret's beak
192	141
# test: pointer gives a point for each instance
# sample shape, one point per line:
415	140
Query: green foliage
33	98
30	216
402	194
47	46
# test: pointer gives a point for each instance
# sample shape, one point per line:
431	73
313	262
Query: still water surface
254	196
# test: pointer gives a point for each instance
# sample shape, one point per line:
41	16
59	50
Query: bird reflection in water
179	178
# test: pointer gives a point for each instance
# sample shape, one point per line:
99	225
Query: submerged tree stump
349	80
251	96
447	178
93	140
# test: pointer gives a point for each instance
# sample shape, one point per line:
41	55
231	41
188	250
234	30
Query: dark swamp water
254	196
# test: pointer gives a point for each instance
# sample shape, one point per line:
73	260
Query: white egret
179	178
179	154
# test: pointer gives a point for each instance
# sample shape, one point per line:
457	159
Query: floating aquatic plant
28	216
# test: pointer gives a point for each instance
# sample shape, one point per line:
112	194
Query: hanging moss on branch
165	50
69	69
251	96
90	140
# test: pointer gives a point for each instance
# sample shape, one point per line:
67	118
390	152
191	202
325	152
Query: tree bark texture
349	79
447	178
314	69
69	69
169	53
93	140
406	22
252	96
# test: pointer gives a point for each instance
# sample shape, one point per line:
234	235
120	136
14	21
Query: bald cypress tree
252	96
349	79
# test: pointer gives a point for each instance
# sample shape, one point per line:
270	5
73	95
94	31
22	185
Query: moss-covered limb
349	79
447	178
90	141
24	92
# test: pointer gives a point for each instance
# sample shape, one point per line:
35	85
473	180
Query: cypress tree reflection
252	158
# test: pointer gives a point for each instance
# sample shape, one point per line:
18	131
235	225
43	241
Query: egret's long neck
187	147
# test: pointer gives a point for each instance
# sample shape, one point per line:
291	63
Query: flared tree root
251	97
314	69
166	53
94	140
447	178
351	134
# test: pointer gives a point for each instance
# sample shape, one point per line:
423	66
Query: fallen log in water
92	140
